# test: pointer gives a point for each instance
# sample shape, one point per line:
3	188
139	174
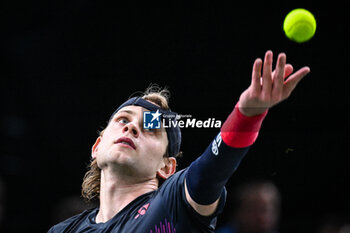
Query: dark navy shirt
165	210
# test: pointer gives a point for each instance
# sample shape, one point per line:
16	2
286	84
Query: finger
293	80
256	75
278	77
288	69
267	73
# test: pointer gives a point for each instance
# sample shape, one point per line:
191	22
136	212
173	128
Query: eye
123	120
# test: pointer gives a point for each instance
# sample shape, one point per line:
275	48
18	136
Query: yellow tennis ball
299	25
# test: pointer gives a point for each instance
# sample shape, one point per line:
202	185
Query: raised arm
207	175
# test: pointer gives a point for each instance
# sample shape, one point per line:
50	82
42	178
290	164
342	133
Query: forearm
208	174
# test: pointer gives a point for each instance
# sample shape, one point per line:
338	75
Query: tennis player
133	169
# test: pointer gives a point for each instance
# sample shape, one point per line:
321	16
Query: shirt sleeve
173	192
208	174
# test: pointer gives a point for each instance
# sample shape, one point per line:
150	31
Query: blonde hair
92	178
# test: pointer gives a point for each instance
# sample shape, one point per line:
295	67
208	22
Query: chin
121	158
115	157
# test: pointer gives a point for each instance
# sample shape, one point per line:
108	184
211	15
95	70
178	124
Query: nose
132	129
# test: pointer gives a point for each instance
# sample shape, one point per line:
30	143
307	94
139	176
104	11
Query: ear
168	169
94	148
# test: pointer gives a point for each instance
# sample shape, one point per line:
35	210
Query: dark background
68	64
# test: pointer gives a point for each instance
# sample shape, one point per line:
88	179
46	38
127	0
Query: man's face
259	211
127	148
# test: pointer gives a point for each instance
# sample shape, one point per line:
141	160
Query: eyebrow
127	111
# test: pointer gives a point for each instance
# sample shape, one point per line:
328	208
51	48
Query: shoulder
174	182
71	222
178	176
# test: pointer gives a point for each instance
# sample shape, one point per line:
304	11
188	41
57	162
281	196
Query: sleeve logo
216	144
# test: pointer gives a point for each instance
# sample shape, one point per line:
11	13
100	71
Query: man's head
257	207
125	147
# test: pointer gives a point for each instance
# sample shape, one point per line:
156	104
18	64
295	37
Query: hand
272	87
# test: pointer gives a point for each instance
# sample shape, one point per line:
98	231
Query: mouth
127	142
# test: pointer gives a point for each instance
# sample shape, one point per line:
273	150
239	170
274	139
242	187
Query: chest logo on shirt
142	210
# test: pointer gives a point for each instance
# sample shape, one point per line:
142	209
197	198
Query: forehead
132	110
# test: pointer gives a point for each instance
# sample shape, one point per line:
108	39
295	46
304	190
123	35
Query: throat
115	194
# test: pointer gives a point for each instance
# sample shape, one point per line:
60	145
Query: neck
117	192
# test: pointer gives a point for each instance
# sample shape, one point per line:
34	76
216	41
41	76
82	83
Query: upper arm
204	210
